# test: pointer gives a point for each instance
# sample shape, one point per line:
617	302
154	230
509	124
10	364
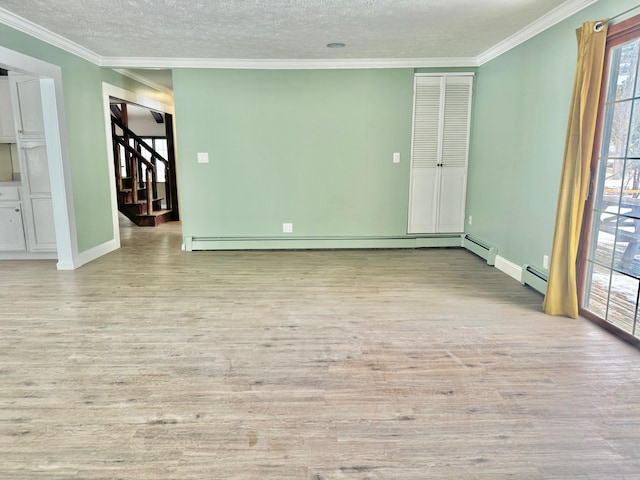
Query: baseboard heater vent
535	278
480	248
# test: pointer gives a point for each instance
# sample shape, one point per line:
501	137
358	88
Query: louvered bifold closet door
455	152
440	148
425	153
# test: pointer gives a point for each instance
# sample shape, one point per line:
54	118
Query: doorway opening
142	163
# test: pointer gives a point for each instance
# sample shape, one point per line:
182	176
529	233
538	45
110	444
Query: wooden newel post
134	178
117	159
172	188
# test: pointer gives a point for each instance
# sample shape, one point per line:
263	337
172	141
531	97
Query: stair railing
154	158
137	160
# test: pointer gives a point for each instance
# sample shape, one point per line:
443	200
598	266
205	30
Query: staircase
136	168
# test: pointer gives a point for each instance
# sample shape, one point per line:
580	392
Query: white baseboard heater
480	248
535	278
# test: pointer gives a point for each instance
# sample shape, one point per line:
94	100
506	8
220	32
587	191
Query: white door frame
57	150
108	91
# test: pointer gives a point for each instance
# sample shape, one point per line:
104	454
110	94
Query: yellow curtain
562	288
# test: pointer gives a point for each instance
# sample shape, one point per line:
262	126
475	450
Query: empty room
375	239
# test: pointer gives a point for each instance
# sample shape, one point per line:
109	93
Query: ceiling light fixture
336	45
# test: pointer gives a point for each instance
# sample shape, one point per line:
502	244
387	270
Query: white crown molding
143	80
288	64
25	26
558	14
548	20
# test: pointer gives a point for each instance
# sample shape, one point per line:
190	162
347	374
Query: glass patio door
611	265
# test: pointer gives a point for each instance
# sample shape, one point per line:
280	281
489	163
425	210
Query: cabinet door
452	195
34	164
424	200
7	128
425	154
29	119
455	152
37	196
11	229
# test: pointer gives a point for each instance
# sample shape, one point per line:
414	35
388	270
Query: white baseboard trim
66	265
28	255
91	254
304	243
510	268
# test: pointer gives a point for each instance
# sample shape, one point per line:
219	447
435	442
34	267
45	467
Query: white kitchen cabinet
12	237
439	153
7	127
34	164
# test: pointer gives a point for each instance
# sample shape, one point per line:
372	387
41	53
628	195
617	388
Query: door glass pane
598	289
619	128
626	246
614	179
623	301
627	66
634	136
605	228
637	47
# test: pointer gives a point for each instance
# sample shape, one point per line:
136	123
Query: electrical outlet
470	219
203	157
287	228
545	262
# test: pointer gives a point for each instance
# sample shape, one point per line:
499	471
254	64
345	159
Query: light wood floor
409	364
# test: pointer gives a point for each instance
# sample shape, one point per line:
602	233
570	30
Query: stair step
157	218
140	208
126	195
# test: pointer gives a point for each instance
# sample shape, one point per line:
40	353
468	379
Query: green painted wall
517	141
86	135
313	148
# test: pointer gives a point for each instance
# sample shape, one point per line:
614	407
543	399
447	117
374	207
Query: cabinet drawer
9	194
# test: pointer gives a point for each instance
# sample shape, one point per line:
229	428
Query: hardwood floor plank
153	363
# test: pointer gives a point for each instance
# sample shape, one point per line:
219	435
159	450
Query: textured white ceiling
283	29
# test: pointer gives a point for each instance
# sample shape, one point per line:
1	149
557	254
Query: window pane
160	169
634	140
622	301
626	69
598	291
605	240
631	183
626	246
161	146
637	92
613	186
619	128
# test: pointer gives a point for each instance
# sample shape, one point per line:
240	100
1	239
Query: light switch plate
203	157
396	157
